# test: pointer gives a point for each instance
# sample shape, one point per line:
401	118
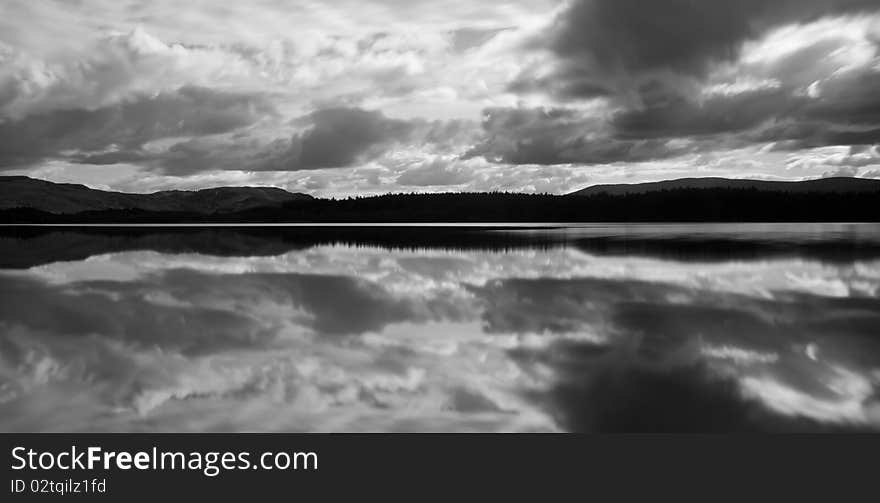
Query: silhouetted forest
676	205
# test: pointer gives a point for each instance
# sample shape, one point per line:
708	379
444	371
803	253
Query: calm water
587	328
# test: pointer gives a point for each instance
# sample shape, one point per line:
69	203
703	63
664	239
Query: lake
503	328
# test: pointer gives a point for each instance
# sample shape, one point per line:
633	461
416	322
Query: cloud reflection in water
343	338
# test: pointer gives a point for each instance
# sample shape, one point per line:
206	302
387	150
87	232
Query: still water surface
582	328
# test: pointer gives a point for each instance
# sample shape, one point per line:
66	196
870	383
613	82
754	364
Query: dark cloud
127	126
574	84
844	111
790	135
331	138
849	114
652	65
611	45
340	136
850	100
561	136
676	116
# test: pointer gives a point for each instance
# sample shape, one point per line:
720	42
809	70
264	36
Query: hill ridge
834	184
20	191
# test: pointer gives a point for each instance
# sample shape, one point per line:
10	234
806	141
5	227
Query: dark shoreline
687	200
27	246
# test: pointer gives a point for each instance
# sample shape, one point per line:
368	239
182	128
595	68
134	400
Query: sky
356	97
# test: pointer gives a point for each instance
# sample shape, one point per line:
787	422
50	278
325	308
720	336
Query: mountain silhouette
25	200
67	198
822	185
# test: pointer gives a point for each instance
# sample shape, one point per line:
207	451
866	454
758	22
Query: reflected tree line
23	247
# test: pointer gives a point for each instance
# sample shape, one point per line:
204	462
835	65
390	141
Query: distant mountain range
26	200
823	185
67	198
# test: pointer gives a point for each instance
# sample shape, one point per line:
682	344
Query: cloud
796	87
118	132
700	76
614	47
844	171
464	39
193	130
837	161
436	172
340	136
674	116
329	138
119	67
563	136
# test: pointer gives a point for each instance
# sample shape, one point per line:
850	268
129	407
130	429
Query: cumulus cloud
117	133
327	138
611	47
119	67
436	172
703	76
192	130
563	136
338	137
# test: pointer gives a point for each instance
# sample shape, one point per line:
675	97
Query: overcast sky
368	96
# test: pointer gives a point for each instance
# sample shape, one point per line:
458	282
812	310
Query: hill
693	200
64	198
823	185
